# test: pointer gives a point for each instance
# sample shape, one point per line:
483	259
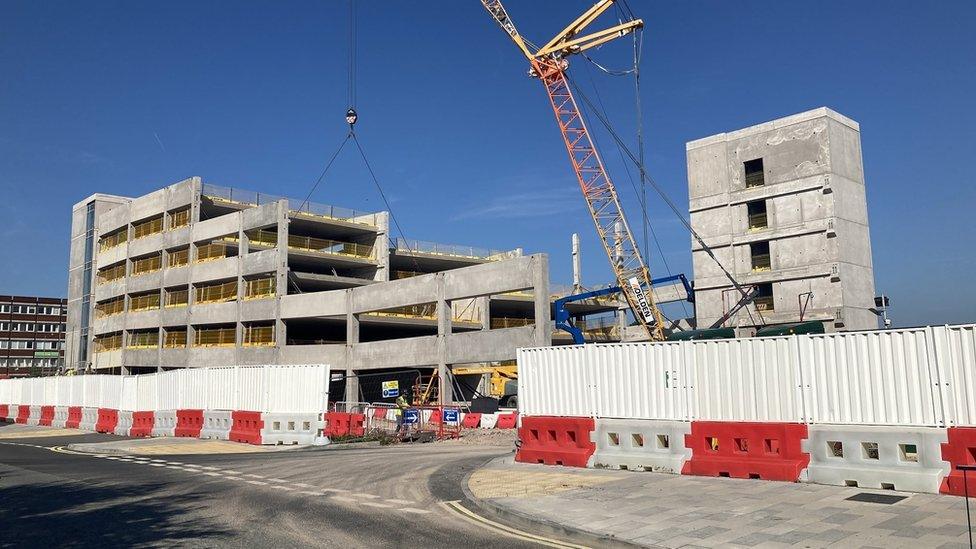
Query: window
143	339
4	326
760	256
207	252
178	258
175	338
216	293
214	337
111	273
755	176
4	308
147	227
49	345
179	218
15	344
259	335
144	302
764	298
177	297
113	239
147	264
259	288
109	342
110	307
757	215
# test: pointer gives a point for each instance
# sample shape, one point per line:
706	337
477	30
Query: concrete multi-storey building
32	332
783	206
194	274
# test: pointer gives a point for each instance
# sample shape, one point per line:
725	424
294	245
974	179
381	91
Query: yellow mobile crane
549	64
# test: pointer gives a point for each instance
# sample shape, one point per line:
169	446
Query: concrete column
381	246
444	328
485	303
281	274
540	289
352	386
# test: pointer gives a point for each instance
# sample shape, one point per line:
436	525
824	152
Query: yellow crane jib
549	65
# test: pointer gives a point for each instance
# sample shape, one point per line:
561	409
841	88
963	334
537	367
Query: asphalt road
355	497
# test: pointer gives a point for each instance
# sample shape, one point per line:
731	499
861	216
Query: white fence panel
292	389
197	388
5	389
869	378
78	391
222	388
554	382
146	392
955	356
110	391
130	394
641	381
746	380
169	391
251	391
91	389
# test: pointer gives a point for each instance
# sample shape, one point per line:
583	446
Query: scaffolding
216	293
250	199
214	337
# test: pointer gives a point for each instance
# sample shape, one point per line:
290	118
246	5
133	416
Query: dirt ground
485	437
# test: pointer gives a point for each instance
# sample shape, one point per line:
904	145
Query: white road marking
234	472
253	476
258	482
157	465
400	501
362	495
412	510
307	493
380	505
211	474
303	485
336	490
277	480
283	487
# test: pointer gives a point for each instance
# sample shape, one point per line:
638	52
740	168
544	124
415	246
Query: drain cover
868	497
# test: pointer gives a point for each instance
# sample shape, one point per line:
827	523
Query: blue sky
123	98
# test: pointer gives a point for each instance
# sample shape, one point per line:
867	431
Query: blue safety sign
391	389
411	416
451	416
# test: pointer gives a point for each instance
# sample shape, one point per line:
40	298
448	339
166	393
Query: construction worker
401	407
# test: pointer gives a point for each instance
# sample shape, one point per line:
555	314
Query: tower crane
549	63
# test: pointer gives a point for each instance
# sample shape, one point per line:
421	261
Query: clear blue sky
124	97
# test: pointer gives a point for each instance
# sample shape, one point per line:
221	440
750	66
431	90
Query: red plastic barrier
4	412
337	424
246	427
23	413
74	417
435	417
769	451
142	424
379	413
357	424
556	440
471	420
959	450
188	423
47	415
108	419
507	421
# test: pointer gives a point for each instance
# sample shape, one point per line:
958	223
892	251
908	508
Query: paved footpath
661	510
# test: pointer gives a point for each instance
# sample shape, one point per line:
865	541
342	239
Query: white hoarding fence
273	388
919	377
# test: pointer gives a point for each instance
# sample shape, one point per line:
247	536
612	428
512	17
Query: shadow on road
74	515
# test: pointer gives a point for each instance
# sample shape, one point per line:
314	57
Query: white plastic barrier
908	459
60	416
124	424
12	412
488	421
35	415
640	445
216	424
89	417
281	428
164	423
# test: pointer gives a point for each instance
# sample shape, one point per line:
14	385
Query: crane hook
351	117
